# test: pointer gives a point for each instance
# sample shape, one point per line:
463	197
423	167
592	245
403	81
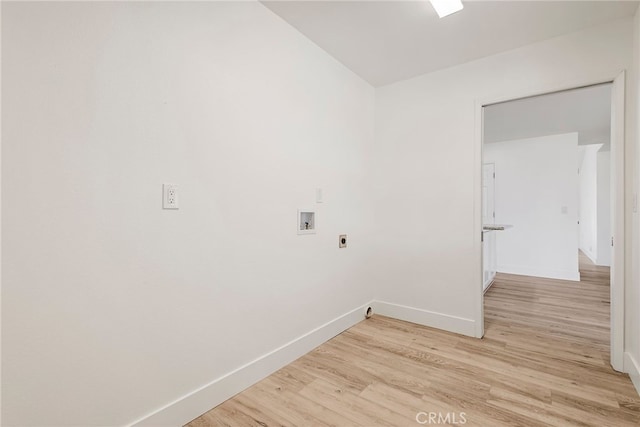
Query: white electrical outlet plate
169	196
318	195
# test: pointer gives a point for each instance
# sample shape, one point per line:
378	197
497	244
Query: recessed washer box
306	221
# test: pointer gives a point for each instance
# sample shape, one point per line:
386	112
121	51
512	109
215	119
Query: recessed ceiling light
446	7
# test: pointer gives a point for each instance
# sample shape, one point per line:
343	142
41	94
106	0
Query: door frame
618	192
490	235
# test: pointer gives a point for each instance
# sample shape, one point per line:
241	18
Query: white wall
603	159
426	167
588	198
113	307
537	192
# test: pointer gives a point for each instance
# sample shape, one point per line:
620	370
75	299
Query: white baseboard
603	263
632	367
589	255
197	402
536	272
432	319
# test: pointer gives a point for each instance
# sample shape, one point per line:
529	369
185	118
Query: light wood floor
544	361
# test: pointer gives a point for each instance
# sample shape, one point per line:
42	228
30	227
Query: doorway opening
551	197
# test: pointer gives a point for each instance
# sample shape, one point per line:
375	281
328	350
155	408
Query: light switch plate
342	241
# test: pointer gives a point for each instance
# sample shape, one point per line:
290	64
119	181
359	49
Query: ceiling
586	111
389	41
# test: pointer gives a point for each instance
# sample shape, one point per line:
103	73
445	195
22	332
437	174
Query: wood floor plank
544	361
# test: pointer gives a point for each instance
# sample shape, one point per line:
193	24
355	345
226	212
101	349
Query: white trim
432	319
0	215
537	272
617	220
545	90
477	219
617	178
632	367
589	255
198	401
489	286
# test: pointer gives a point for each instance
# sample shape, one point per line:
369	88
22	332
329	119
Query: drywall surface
536	191
588	198
427	170
603	159
113	307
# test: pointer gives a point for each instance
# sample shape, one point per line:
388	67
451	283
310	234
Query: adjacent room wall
425	167
603	159
588	200
537	192
113	307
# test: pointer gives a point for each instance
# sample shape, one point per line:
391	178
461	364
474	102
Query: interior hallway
543	361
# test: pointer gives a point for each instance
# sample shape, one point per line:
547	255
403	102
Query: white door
489	260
